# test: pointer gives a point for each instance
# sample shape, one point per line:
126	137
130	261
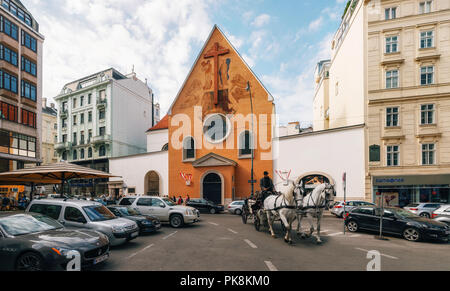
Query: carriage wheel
244	217
257	223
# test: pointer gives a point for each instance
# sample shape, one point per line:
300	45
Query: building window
74	141
9	82
74	103
426	75
8	112
64	123
390	13
428	154
28	118
9	28
64	156
28	90
29	41
391	116
89	152
90	116
165	148
81	100
425	7
82	118
75	155
64	106
188	148
82	154
101	114
245	144
74	118
89	98
392	79
89	135
8	55
82	138
102	151
102	131
392	155
427	114
427	39
29	66
391	44
64	138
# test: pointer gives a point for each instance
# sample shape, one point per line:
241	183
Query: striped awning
52	174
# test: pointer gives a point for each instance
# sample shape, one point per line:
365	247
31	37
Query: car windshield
403	213
98	213
128	211
25	224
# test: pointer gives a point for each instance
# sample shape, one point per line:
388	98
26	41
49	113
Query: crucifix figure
215	52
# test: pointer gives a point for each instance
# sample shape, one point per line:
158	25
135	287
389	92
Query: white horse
312	206
283	206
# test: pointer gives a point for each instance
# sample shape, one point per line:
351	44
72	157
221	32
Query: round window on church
216	128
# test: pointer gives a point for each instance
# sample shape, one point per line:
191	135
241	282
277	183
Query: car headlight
61	251
117	229
147	222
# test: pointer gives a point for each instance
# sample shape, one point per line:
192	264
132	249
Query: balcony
101	139
63	112
101	103
63	146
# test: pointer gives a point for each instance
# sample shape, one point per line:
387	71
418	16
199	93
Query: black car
35	242
204	205
146	224
397	221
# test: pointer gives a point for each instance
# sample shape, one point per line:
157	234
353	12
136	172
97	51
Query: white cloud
85	36
315	24
261	20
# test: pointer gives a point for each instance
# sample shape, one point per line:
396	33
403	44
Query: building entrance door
212	188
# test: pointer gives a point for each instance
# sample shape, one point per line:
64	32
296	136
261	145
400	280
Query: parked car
235	207
87	214
146	224
397	221
442	214
204	205
35	242
127	200
338	208
166	210
423	209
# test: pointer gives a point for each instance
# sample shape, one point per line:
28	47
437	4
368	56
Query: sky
281	41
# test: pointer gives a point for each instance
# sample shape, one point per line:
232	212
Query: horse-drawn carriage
294	203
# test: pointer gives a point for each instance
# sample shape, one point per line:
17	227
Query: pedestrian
5	203
180	200
188	199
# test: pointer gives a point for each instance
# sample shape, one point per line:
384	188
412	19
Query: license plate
134	234
101	259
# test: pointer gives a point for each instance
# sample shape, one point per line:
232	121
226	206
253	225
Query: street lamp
252	181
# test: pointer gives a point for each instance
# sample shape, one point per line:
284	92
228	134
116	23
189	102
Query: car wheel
176	221
352	226
30	262
411	234
424	214
212	210
238	212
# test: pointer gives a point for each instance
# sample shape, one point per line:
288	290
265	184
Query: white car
166	210
235	207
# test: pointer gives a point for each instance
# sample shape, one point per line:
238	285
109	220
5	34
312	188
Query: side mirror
162	205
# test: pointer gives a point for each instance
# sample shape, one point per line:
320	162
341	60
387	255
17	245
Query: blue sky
280	40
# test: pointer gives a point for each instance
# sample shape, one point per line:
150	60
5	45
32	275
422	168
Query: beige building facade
389	70
49	133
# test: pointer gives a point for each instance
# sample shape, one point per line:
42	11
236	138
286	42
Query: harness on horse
281	206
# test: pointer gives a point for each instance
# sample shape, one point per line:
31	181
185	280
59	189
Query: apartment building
102	116
49	133
389	70
20	87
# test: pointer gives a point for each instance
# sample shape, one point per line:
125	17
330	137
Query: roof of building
163	124
49	111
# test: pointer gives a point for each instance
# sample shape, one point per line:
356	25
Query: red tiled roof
163	124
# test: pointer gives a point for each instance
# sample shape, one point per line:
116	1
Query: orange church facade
211	135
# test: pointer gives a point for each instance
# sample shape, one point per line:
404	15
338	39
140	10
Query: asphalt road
222	242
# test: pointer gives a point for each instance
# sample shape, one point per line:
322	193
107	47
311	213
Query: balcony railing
101	102
63	145
101	139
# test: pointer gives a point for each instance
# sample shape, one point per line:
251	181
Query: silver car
442	214
338	208
87	214
235	207
423	209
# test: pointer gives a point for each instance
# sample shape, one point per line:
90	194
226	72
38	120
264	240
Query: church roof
213	160
198	58
163	124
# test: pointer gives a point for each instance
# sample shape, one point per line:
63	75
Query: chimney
44	102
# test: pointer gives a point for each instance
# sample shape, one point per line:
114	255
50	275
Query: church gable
218	81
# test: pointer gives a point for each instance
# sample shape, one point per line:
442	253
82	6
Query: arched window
102	151
64	156
245	144
75	155
82	154
165	148
188	149
89	152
